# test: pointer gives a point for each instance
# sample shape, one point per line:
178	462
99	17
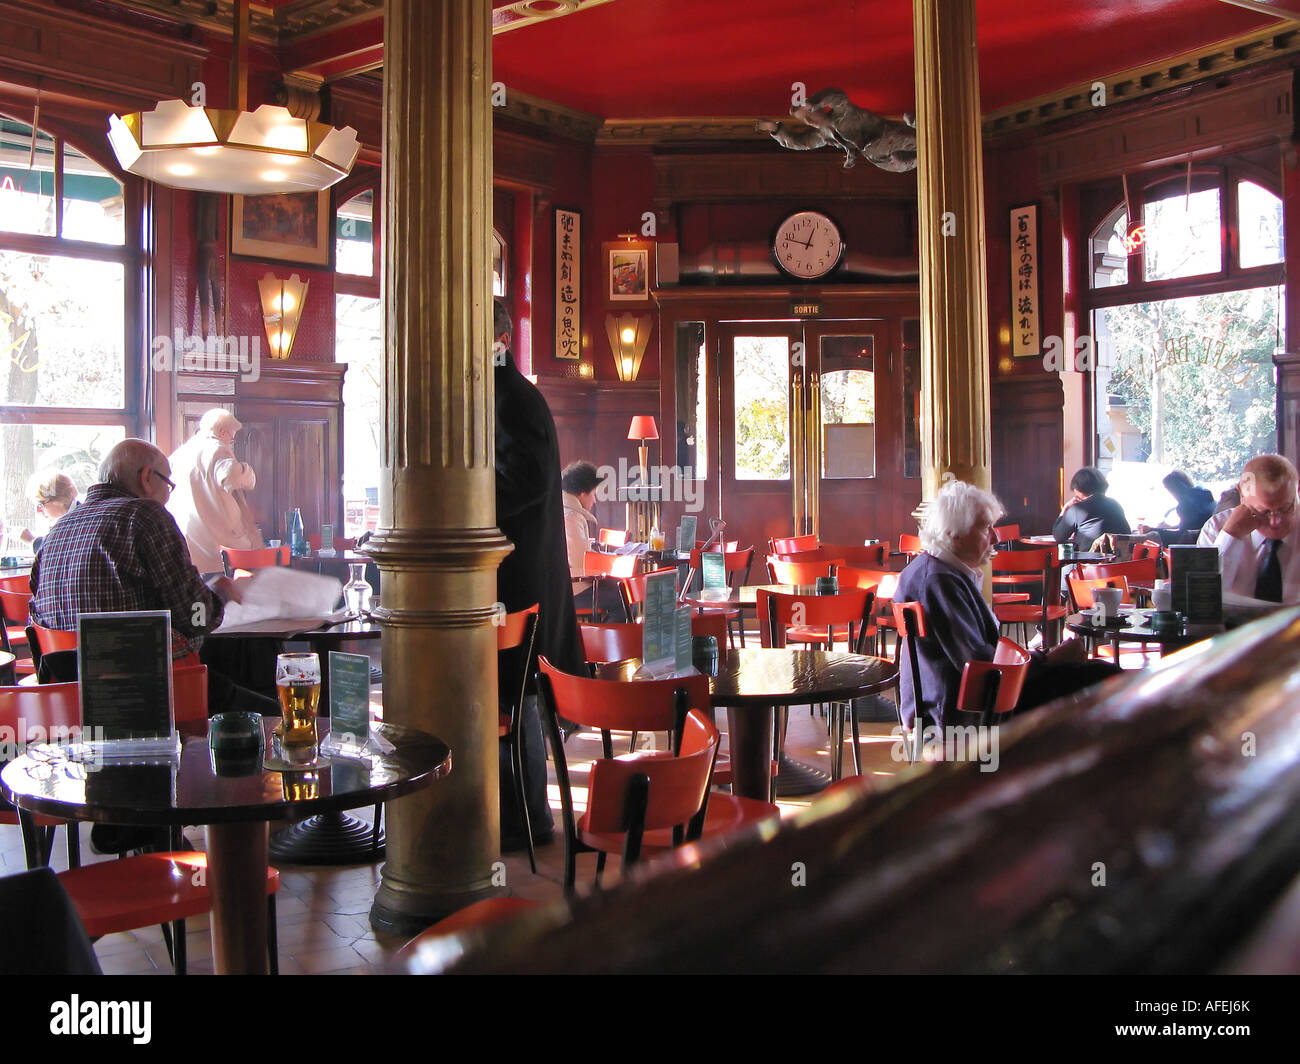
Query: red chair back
792	544
614	641
909	545
1010	665
675	788
615	705
1141	572
796	573
1081	588
257	558
190	692
510	633
909	618
49	640
778	611
1024	561
705	621
1006	533
612	537
632	588
51	705
727	545
862	556
593	561
734	560
1145	550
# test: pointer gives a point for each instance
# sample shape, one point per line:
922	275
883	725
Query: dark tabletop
343	557
1134	627
322	633
746	597
756	676
192	792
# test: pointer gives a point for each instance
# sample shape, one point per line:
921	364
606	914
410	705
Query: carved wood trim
521	161
735	176
1205	123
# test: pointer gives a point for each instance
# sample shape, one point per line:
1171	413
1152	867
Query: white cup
1107	601
1162	596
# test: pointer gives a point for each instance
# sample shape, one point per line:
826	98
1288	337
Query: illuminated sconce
282	310
628	335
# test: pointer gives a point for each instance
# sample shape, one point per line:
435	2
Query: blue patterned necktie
1268	585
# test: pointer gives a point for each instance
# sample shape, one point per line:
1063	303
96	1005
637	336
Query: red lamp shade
643	428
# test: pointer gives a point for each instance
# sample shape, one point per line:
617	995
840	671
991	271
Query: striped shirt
117	552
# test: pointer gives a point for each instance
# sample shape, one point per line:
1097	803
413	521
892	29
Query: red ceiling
660	58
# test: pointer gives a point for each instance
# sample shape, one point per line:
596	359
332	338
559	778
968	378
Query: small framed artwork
629	274
568	284
291	228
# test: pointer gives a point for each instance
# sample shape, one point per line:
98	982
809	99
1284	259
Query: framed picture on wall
568	284
629	274
291	228
1026	339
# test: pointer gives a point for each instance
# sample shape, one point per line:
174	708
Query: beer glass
297	682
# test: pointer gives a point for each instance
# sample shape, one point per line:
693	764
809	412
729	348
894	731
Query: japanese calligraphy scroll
1026	341
568	284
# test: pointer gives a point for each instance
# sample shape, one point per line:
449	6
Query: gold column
954	298
439	547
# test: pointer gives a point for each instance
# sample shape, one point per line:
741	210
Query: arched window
69	294
1186	293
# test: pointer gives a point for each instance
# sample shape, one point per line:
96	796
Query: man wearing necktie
1259	540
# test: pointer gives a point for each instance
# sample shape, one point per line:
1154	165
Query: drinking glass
297	682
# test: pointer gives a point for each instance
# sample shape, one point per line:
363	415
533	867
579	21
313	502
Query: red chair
517	634
632	589
1047	614
992	688
791	544
15	596
55	706
604	566
612	537
796	574
734	561
638	705
909	545
1145	550
864	556
1081	589
1135	572
42	641
485	913
909	621
340	543
233	558
820	619
1007	533
611	641
884	584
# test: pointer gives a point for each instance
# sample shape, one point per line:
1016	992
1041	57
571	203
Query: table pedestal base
237	881
327	839
794	778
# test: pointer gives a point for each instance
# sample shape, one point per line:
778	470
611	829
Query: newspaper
279	598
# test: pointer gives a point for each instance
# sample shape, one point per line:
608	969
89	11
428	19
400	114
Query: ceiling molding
513	16
678	130
553	117
1226	57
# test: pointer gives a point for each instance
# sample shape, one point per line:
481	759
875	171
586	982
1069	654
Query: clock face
808	245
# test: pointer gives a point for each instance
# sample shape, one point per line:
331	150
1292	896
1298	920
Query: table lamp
643	428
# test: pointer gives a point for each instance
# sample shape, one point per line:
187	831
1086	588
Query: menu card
326	541
349	700
682	632
1204	600
659	624
686	533
1186	560
124	669
714	566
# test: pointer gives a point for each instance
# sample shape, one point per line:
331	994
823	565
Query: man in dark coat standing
530	512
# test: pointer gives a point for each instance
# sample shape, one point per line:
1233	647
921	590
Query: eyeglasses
1274	515
166	480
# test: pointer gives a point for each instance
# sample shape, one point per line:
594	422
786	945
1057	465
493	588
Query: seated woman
1088	513
54	495
947	580
579	482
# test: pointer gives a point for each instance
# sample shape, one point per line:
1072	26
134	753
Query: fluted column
438	548
955	436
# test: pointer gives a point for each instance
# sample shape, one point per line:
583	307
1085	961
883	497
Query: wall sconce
628	335
281	310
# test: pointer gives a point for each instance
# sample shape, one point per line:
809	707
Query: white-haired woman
947	579
54	495
207	475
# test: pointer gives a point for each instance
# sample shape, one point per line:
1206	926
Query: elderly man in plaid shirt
122	550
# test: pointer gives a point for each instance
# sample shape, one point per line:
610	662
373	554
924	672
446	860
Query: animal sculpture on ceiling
830	117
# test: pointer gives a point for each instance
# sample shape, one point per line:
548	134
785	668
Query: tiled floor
322	912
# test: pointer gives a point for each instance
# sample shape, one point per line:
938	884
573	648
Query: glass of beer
297	682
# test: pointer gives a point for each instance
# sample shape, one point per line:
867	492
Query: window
762	407
1187	311
354	236
69	380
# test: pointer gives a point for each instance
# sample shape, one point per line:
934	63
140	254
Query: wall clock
807	245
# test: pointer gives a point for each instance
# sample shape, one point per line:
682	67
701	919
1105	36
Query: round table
1134	627
752	682
7	660
234	808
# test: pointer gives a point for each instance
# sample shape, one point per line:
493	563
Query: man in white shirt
1259	540
207	475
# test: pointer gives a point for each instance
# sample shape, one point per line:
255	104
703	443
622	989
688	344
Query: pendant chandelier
210	149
